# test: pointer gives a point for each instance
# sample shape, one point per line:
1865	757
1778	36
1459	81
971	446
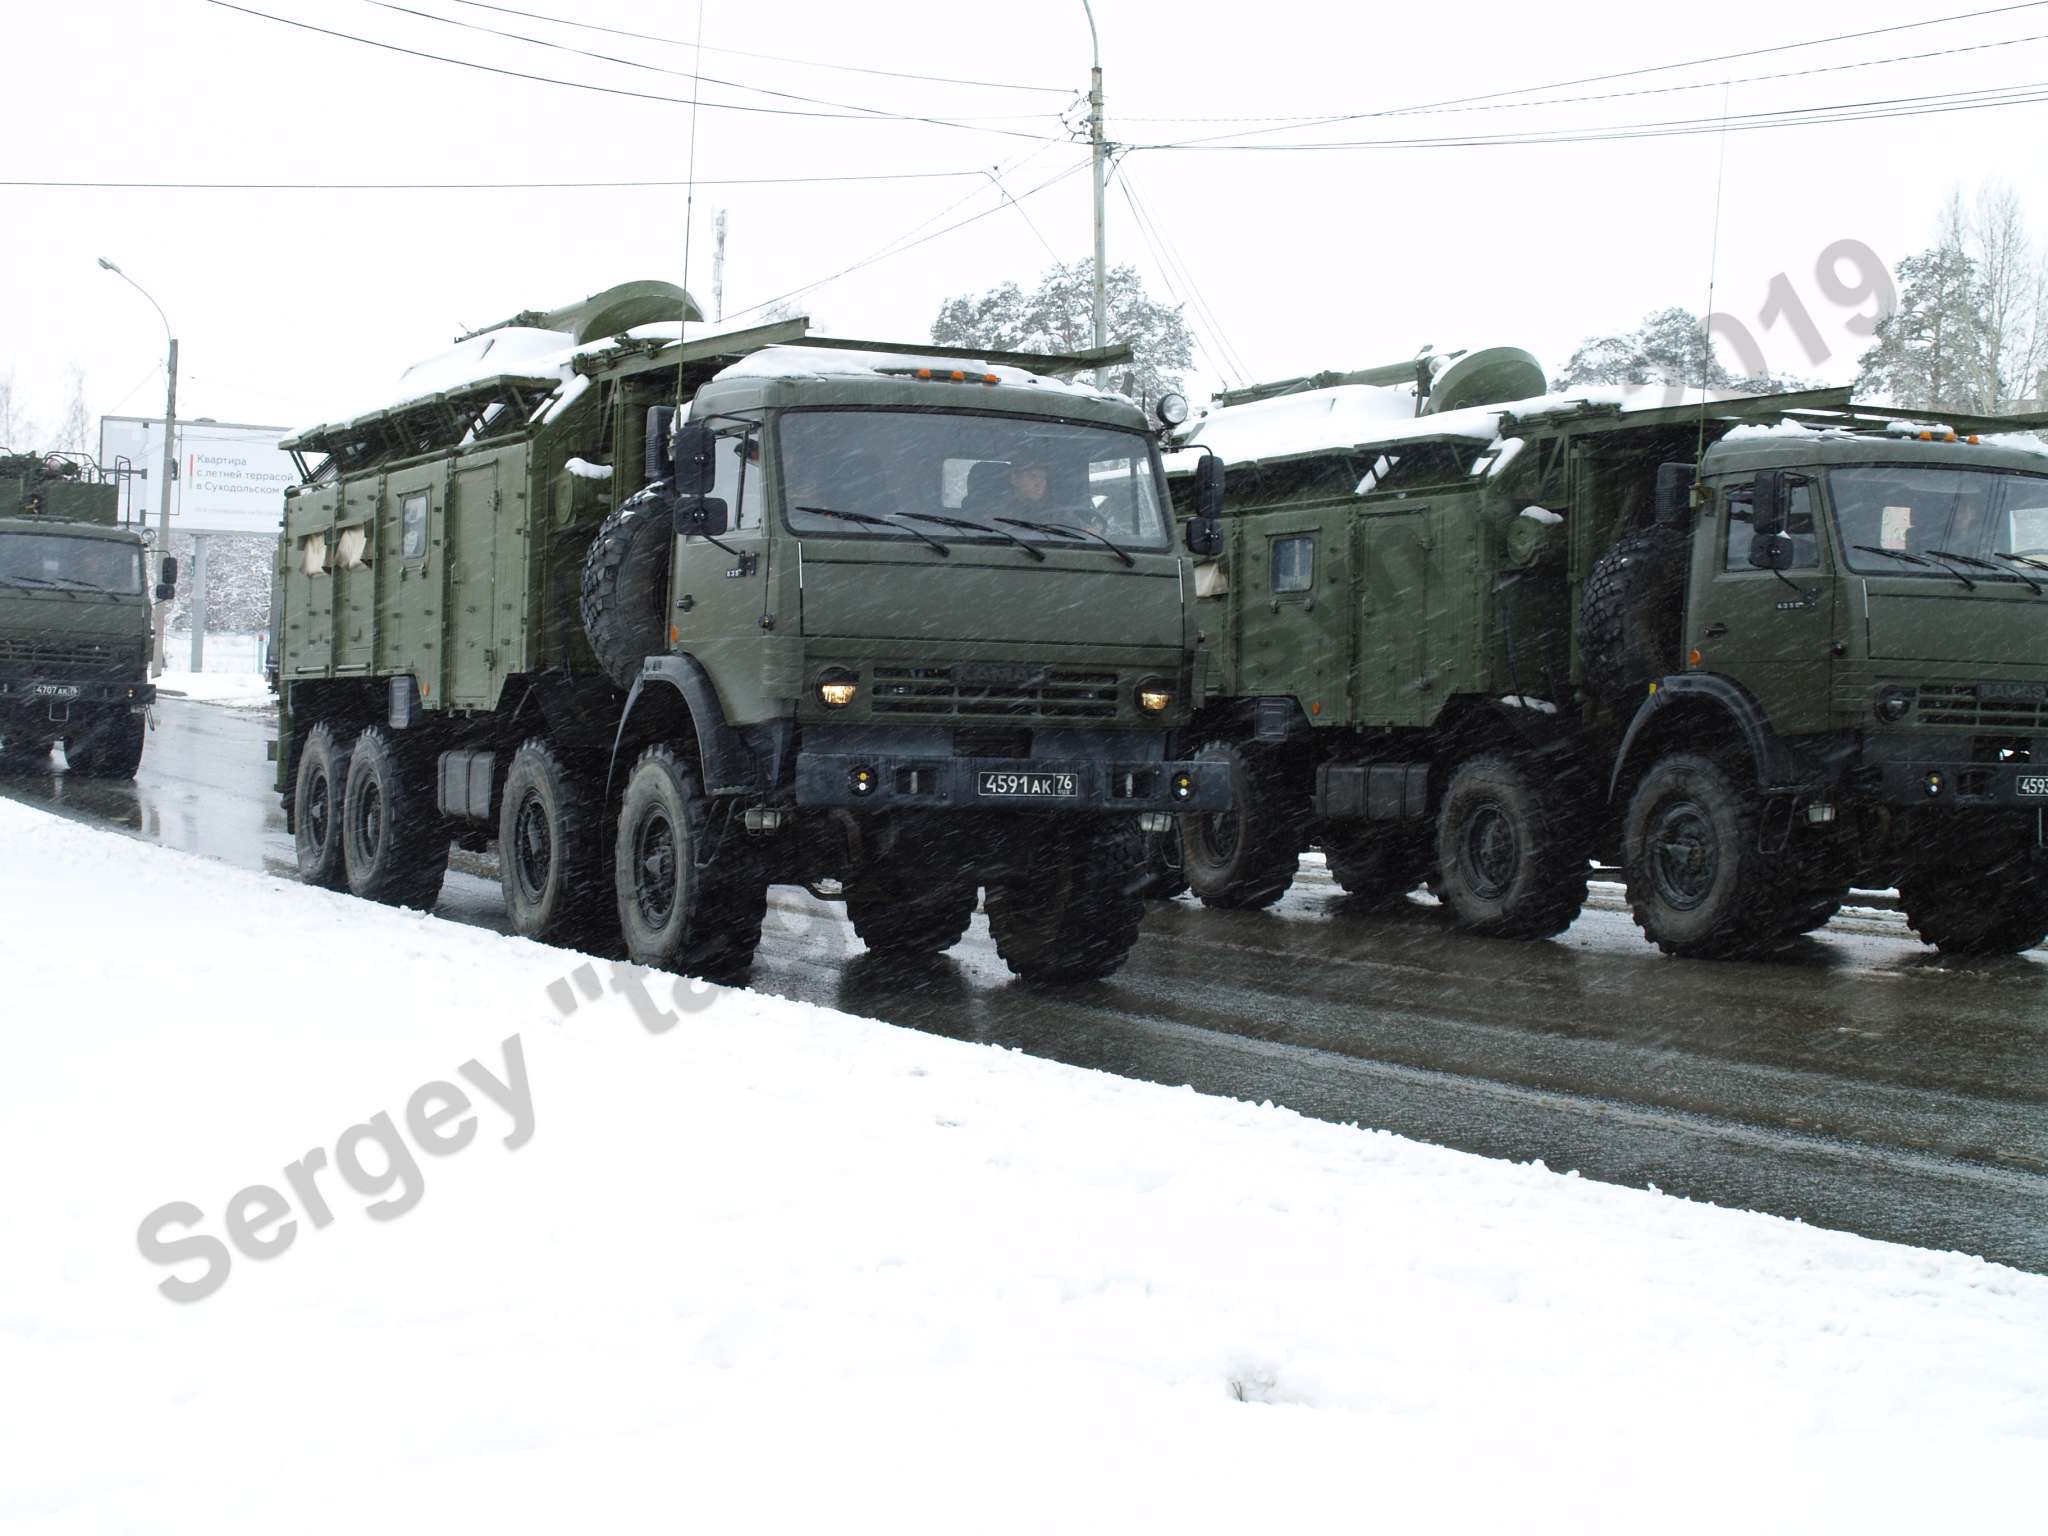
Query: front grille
51	658
1984	706
1021	693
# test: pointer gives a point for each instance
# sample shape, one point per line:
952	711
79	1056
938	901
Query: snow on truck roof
1350	416
797	361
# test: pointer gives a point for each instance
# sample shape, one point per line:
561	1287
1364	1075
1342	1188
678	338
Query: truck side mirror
1204	531
705	515
693	461
167	579
1767	503
1674	495
660	418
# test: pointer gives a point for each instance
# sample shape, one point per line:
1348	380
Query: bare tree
2013	285
75	436
16	430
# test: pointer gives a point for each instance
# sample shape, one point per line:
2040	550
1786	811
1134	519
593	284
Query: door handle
1716	631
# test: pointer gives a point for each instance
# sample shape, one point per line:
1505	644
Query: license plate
56	690
2034	784
1026	786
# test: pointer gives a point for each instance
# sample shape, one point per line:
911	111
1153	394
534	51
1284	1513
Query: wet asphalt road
1856	1081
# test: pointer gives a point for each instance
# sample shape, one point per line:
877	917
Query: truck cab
75	620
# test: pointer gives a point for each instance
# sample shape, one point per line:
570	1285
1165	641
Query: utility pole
718	271
1100	147
169	469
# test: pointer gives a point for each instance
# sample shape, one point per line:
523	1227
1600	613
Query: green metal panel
471	569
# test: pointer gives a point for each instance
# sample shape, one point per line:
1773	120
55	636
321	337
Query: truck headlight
1154	696
1894	704
837	688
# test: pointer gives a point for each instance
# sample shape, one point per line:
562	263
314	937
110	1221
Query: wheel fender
728	767
1773	762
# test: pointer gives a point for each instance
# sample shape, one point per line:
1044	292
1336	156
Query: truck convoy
74	619
897	627
1753	651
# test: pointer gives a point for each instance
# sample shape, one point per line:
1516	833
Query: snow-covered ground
715	1261
238	690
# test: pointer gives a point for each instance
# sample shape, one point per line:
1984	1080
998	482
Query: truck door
471	563
1775	637
1294	632
721	588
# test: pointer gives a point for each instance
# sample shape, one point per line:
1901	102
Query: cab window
736	477
1798	526
1294	563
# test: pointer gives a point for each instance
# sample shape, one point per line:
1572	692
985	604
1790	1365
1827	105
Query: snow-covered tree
1670	347
1058	316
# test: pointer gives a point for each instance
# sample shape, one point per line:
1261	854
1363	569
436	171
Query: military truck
74	619
1755	652
898	627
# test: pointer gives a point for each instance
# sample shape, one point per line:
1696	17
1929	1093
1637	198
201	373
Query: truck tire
1512	860
1244	858
909	911
551	860
1071	913
317	801
107	747
1377	863
1630	614
2001	910
1698	883
625	585
676	911
394	839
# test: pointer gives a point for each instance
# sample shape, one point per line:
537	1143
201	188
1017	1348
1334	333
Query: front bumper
60	695
876	781
1959	771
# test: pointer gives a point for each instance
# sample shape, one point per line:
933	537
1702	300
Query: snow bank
775	1267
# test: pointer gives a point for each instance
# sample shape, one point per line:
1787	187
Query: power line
774	58
482	186
1623	74
1312	120
1791	117
1155	234
679	74
613	90
898	247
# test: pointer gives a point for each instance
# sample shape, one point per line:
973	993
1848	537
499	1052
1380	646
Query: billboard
231	476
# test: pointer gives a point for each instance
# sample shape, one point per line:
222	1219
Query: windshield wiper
960	522
1949	554
2039	565
871	520
1932	565
39	581
1070	531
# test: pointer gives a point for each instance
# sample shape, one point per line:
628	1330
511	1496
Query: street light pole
168	470
1100	147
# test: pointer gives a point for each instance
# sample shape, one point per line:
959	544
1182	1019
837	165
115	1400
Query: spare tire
1630	614
625	584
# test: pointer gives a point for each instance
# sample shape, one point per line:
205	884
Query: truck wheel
394	841
1166	873
317	799
1698	883
1513	863
109	747
1245	857
677	911
1810	910
1071	913
2002	910
1376	863
625	585
1629	616
550	858
910	911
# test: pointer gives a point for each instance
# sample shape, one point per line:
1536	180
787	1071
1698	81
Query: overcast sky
292	306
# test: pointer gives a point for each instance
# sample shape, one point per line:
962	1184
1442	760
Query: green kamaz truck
1755	652
74	619
897	627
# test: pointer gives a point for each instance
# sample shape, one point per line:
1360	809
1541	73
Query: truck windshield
75	564
1926	513
1052	475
